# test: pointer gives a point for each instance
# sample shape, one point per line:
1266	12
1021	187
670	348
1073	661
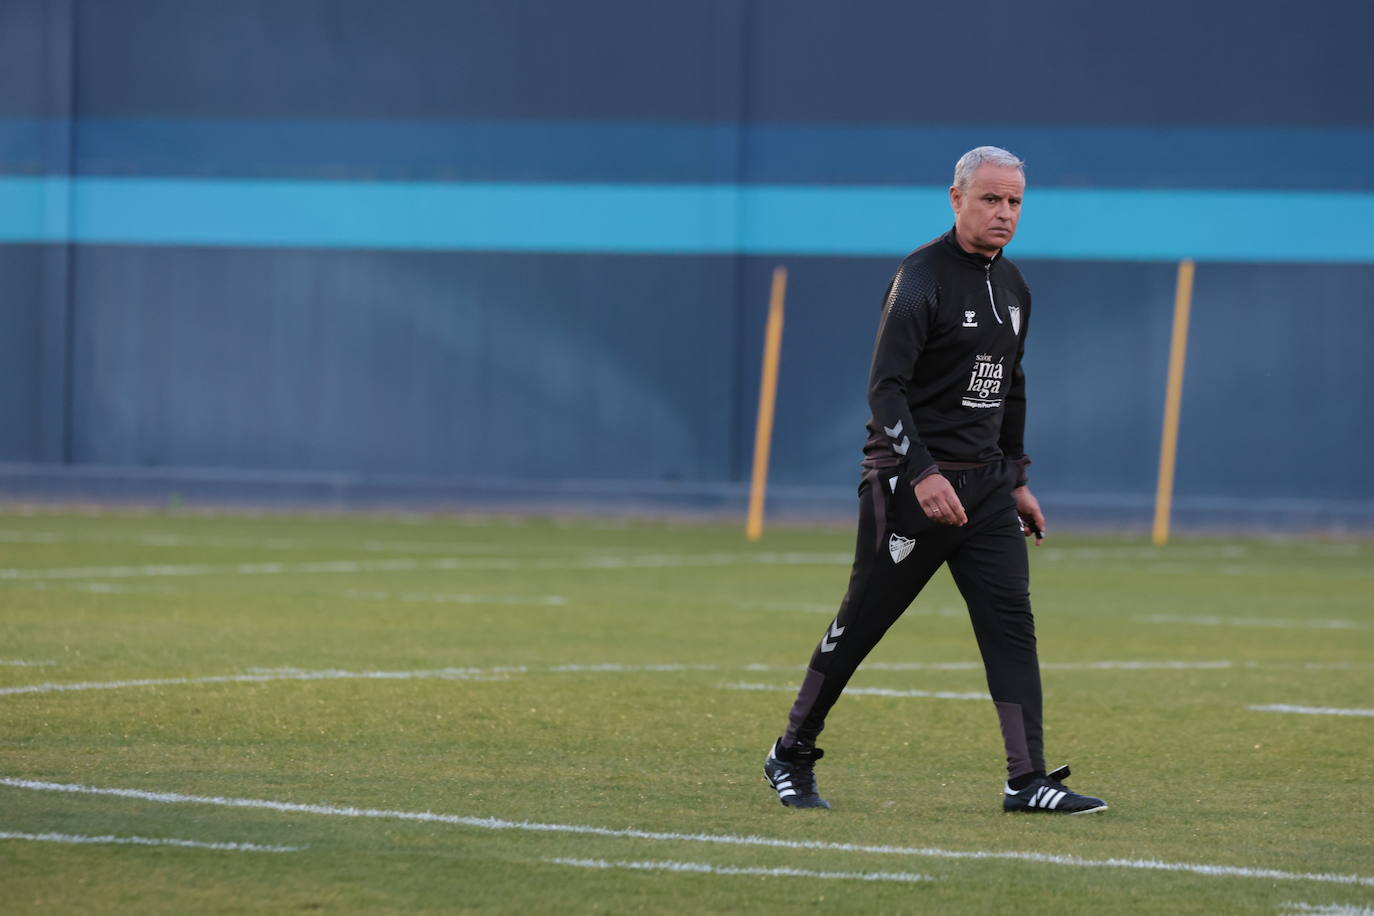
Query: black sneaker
1048	794
791	771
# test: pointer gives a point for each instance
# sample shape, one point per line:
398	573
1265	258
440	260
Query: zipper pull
987	271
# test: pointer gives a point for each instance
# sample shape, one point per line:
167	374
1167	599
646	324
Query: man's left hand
1028	508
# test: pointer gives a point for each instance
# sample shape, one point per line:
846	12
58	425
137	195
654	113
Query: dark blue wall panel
832	311
613	60
1096	359
25	50
404	363
1279	393
1277	399
1070	62
21	322
616	367
637	367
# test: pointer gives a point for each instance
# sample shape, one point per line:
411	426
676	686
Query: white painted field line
23	663
882	666
454	674
457	598
1325	909
706	869
106	572
1277	623
245	543
94	588
30	537
147	540
671	560
111	588
498	672
816	607
627	561
1295	571
264	675
1200	552
1137	666
870	692
808	607
621	669
1231	570
1109	665
250	569
1312	710
493	823
143	841
1056	666
1131	552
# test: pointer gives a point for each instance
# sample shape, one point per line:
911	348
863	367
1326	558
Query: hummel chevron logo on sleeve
895	431
835	632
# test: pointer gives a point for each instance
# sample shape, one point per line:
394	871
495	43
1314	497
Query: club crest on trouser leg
900	547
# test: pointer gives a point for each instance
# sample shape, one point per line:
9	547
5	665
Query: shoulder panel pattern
913	284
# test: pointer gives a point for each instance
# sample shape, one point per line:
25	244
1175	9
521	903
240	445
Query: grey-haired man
945	483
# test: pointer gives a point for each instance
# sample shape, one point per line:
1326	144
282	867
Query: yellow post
768	391
1173	400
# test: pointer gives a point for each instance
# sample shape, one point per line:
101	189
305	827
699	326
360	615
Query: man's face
986	212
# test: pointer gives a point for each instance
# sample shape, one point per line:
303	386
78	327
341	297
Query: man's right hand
939	501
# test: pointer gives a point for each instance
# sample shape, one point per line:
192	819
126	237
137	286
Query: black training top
946	384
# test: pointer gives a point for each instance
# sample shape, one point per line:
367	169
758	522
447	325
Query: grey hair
983	155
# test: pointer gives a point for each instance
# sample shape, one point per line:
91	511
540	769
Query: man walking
945	482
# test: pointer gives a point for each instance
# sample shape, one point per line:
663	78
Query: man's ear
956	199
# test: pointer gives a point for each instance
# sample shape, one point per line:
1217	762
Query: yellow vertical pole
768	392
1173	400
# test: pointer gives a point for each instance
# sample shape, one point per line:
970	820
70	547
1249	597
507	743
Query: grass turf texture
1192	774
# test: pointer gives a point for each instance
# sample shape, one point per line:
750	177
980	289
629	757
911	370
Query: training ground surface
520	715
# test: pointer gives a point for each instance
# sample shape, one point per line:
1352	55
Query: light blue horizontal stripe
1083	156
1074	224
35	209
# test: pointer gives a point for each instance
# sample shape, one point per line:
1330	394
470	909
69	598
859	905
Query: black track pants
898	550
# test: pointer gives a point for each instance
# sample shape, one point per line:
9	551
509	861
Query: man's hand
1028	508
939	501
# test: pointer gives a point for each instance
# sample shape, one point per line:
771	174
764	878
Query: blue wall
533	240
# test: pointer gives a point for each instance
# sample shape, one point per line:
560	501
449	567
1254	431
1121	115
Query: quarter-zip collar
978	262
971	258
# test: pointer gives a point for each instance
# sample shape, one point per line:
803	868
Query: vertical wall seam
739	439
69	288
54	363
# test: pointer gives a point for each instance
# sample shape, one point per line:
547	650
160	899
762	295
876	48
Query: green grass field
542	715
